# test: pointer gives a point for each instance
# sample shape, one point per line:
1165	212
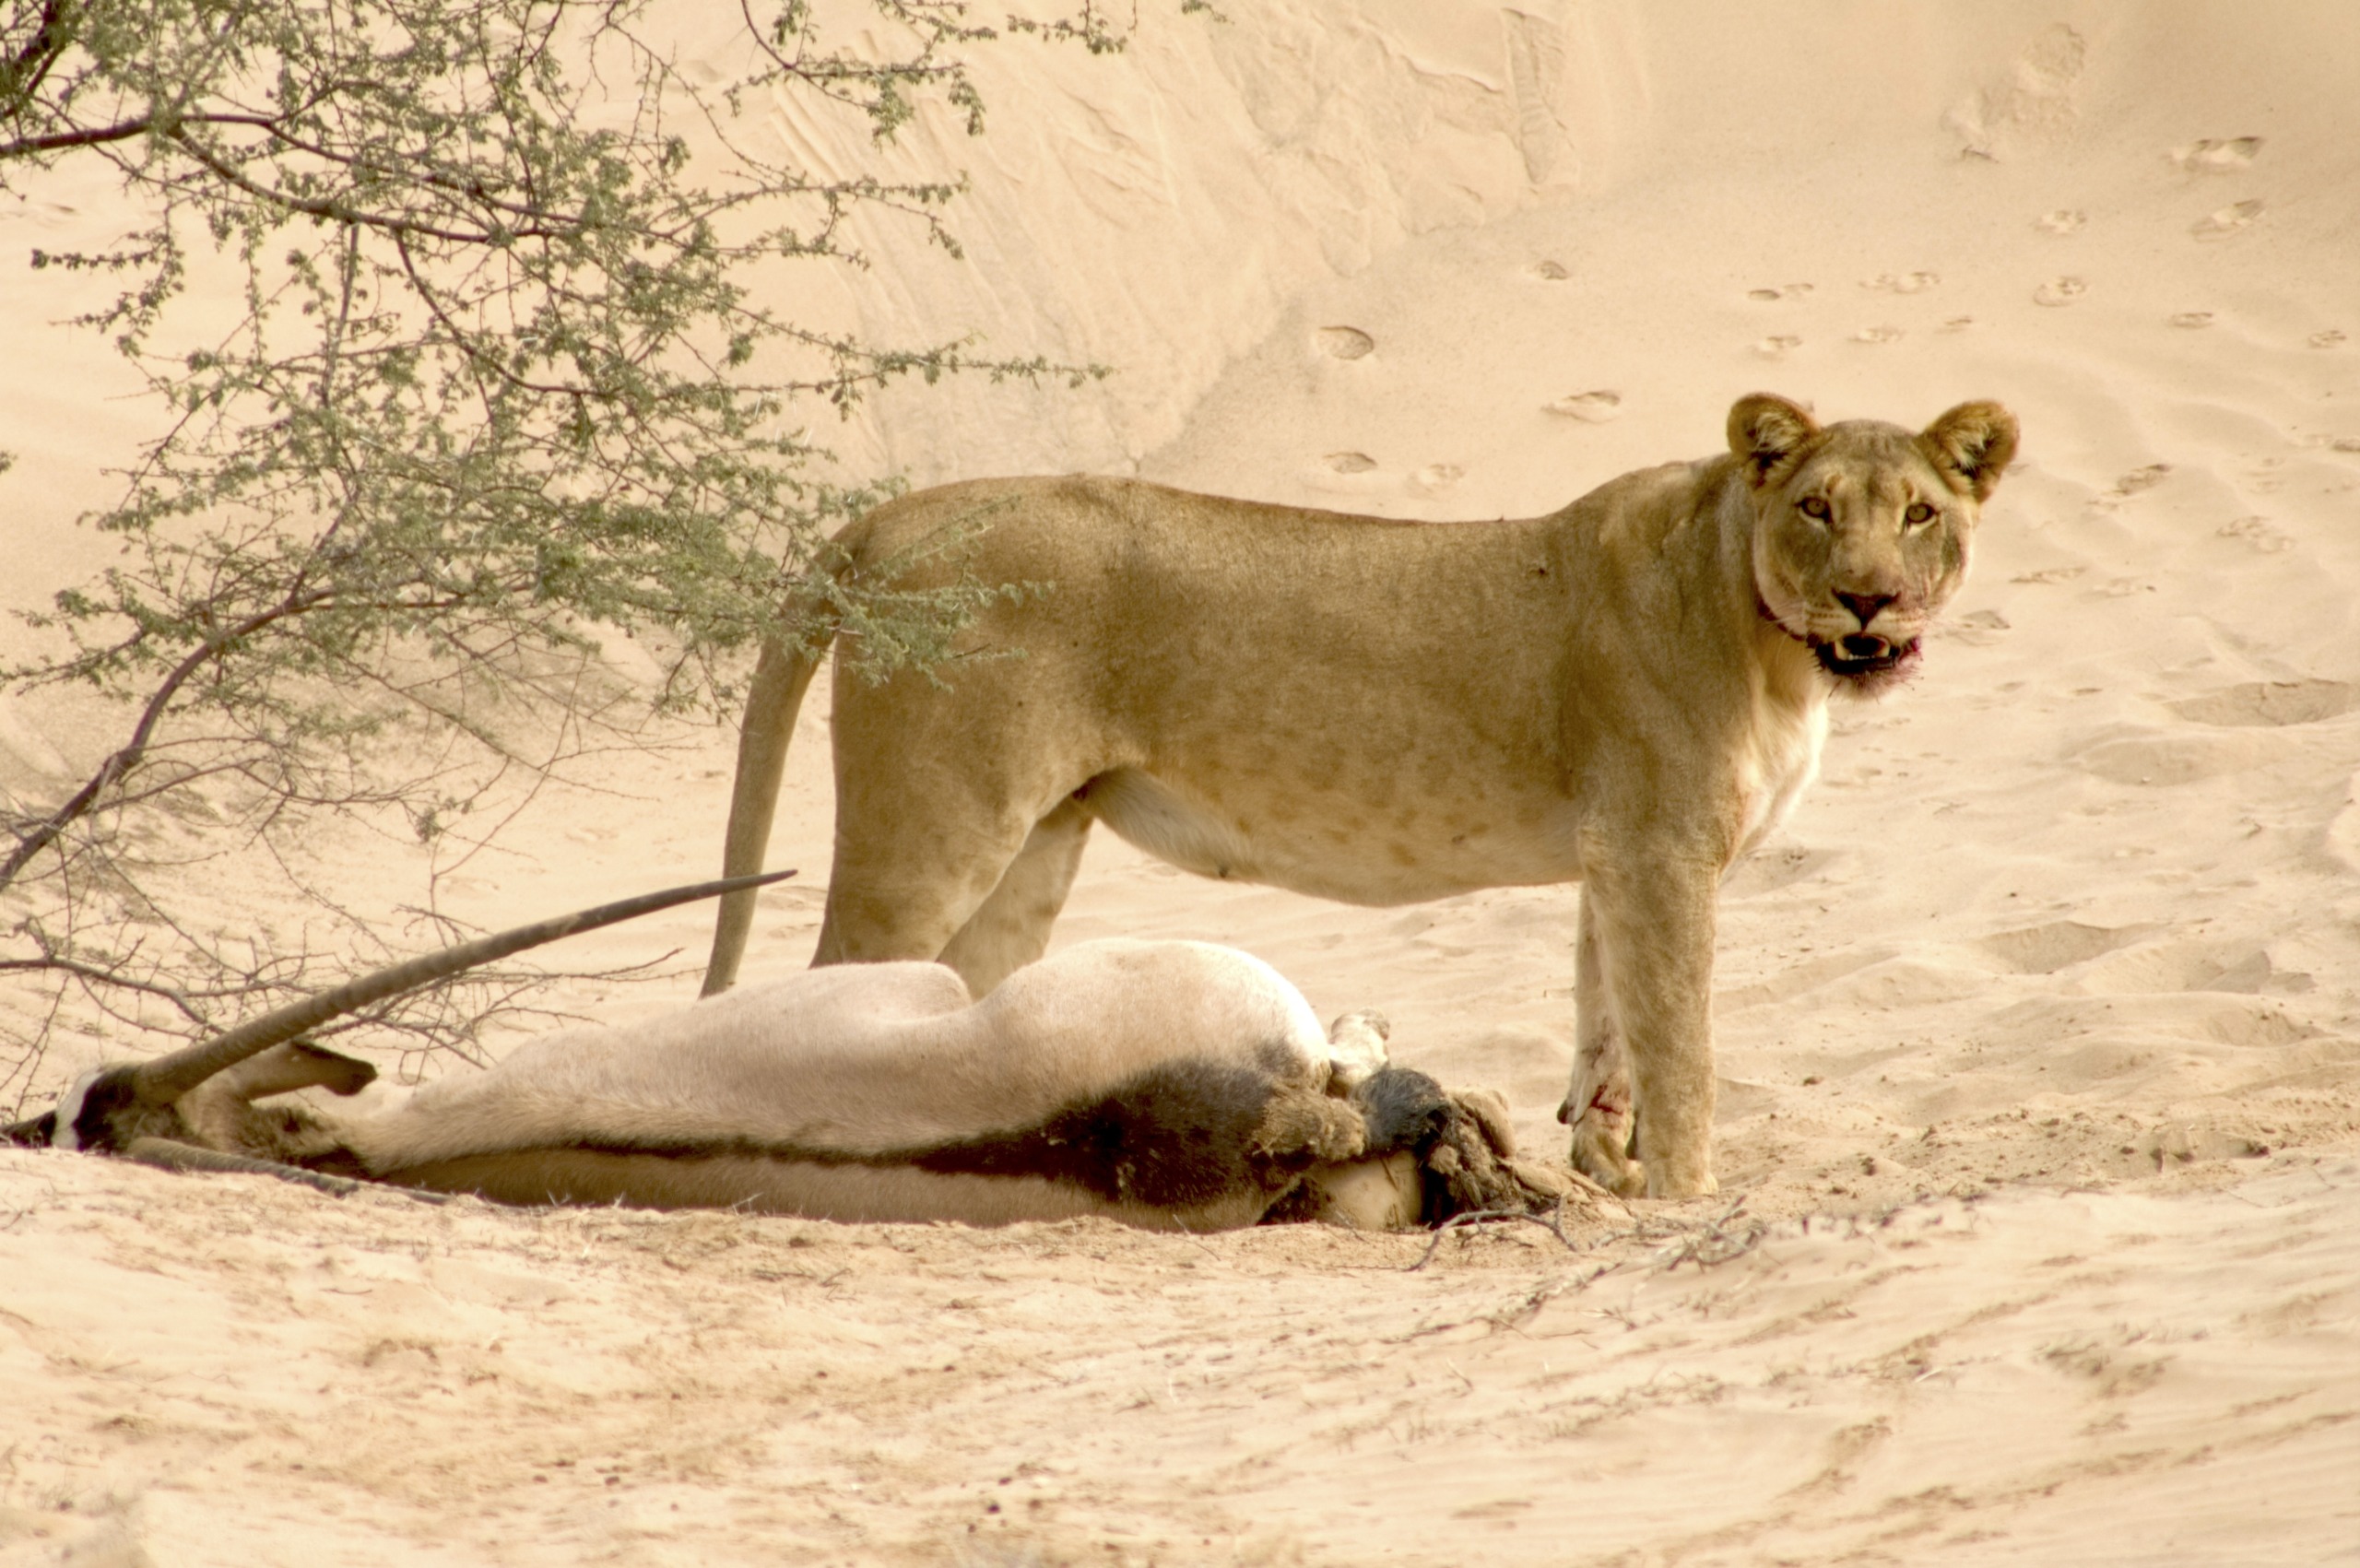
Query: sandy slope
2040	1028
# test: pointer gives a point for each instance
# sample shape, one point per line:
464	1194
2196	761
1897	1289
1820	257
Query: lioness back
1379	707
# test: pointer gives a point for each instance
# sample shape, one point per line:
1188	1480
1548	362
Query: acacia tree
492	384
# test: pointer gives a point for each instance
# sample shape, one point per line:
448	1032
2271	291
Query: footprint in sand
2193	319
1550	271
2256	532
1590	407
2330	338
2228	220
1783	291
2210	157
2137	479
1879	334
2274	704
2064	221
1776	346
2059	291
1350	461
1902	282
1344	342
1958	323
1435	477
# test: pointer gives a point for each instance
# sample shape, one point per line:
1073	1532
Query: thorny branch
494	389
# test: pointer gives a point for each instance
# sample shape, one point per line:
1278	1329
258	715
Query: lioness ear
1975	441
1767	432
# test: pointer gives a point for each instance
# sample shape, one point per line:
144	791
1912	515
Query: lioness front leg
1653	924
1597	1104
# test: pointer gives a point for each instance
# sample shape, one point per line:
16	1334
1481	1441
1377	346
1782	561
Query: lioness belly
1340	847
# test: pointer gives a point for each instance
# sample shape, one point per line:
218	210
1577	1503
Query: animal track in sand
2270	702
2330	338
1902	282
1344	342
1350	461
2064	221
1773	869
1958	323
1977	629
1776	346
2256	532
1590	407
1783	291
1550	271
2137	479
2227	220
2192	320
1879	334
1436	477
2211	157
2159	761
2059	291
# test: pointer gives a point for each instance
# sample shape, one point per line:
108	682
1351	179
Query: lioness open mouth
1864	657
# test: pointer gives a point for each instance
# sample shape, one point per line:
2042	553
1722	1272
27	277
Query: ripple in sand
2045	949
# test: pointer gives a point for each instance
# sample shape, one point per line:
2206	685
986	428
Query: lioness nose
1865	606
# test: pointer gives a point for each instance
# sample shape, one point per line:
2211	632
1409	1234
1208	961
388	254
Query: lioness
1630	693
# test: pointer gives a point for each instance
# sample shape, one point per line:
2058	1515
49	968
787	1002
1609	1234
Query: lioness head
1861	529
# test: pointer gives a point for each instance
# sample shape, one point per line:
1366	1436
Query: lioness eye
1919	515
1814	508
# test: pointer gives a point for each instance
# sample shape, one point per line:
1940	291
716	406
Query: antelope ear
1975	442
1767	433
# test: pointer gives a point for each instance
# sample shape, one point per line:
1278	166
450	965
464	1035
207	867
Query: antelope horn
166	1078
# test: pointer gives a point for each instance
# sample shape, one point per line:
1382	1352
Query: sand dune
2039	1027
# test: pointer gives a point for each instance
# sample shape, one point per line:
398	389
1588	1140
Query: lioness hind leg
1597	1104
1012	928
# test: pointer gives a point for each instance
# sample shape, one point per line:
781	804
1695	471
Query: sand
2040	1026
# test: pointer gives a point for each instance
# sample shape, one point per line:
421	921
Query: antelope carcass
1163	1084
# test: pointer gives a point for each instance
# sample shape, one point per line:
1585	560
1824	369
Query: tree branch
127	756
